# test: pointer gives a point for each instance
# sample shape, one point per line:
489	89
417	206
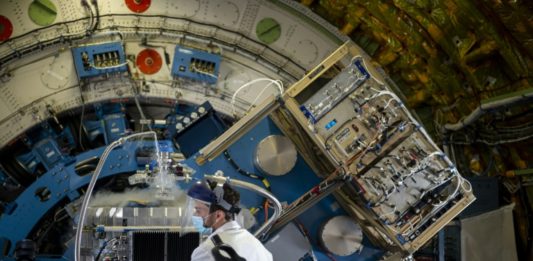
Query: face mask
198	223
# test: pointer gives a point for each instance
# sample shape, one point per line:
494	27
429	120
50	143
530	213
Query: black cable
97	23
305	232
102	248
264	180
88	9
81	85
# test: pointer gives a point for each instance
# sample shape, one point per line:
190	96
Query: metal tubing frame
90	188
261	231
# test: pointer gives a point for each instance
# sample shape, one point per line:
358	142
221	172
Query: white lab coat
244	243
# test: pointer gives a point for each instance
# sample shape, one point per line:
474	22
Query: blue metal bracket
111	124
45	148
99	59
196	65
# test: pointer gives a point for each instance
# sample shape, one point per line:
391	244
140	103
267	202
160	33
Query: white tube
260	232
90	188
249	84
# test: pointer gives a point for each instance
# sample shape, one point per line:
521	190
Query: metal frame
378	233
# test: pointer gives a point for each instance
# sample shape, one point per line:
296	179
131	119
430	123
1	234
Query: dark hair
232	197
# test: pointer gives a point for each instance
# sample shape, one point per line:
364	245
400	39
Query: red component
6	28
363	191
138	6
149	61
120	100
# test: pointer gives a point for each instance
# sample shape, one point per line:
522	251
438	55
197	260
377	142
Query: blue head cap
201	192
215	196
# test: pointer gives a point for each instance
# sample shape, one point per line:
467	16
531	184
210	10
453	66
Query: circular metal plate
42	12
275	155
341	236
138	6
149	61
6	28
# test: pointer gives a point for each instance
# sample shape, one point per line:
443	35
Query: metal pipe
259	233
217	146
121	229
496	103
92	183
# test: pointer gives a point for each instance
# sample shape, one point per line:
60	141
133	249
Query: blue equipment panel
112	127
45	151
48	151
60	182
99	59
29	161
197	129
196	65
47	147
197	114
112	123
115	126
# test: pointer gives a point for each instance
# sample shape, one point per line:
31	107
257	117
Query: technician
216	205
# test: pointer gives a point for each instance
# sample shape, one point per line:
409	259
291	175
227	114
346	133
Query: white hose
280	88
90	188
260	232
484	107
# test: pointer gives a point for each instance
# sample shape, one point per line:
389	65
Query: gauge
201	110
194	115
186	120
179	126
268	30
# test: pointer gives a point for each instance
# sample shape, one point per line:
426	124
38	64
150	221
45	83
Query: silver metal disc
342	236
275	155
